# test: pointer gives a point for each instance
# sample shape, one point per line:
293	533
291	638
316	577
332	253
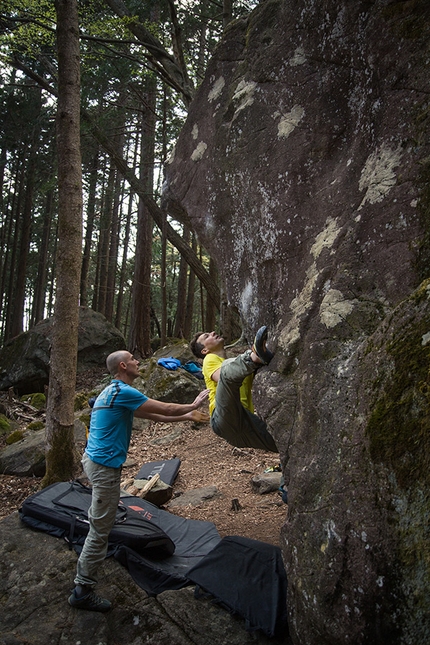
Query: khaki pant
230	420
106	484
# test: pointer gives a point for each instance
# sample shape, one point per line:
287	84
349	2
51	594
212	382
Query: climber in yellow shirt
229	381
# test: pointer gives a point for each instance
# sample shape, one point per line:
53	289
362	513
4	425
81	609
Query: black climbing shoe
90	602
260	348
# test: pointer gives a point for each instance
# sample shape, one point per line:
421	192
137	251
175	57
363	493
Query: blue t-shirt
112	422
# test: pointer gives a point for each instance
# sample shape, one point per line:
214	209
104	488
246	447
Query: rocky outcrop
26	458
36	576
304	166
24	360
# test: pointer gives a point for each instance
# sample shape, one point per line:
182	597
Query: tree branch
156	49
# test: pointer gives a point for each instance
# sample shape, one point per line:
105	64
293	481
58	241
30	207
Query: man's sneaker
90	601
260	348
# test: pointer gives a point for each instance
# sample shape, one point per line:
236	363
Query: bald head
114	359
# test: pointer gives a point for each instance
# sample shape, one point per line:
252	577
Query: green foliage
33	26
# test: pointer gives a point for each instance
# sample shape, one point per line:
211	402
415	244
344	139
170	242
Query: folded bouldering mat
167	469
156	546
64	507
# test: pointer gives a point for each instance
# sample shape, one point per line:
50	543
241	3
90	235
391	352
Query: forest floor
206	460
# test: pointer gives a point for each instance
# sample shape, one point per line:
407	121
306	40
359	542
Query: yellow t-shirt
211	363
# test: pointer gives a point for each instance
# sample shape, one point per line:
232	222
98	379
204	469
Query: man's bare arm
194	415
215	375
171	411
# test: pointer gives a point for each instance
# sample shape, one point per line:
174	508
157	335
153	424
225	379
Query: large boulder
304	168
24	360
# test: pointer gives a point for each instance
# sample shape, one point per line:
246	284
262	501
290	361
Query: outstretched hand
199	417
201	398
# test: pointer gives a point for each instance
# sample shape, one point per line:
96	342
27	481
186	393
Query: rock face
24	360
304	167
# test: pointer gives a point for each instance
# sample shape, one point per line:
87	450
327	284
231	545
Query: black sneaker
91	602
260	348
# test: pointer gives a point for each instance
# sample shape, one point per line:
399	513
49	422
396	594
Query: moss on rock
35	425
37	400
398	431
81	401
14	437
399	424
4	424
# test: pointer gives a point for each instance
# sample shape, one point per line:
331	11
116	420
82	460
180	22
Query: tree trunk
189	318
41	286
120	320
91	209
140	326
156	212
123	271
15	228
163	226
181	302
167	67
227	12
210	309
104	240
61	452
113	248
51	276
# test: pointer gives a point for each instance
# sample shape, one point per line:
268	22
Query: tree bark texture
140	324
41	282
91	210
181	302
60	456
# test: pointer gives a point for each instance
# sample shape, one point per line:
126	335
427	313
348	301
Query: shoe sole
260	338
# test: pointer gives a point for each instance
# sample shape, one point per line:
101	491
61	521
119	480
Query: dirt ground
206	460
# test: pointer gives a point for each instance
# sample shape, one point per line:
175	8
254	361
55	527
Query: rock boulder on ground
24	360
304	169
